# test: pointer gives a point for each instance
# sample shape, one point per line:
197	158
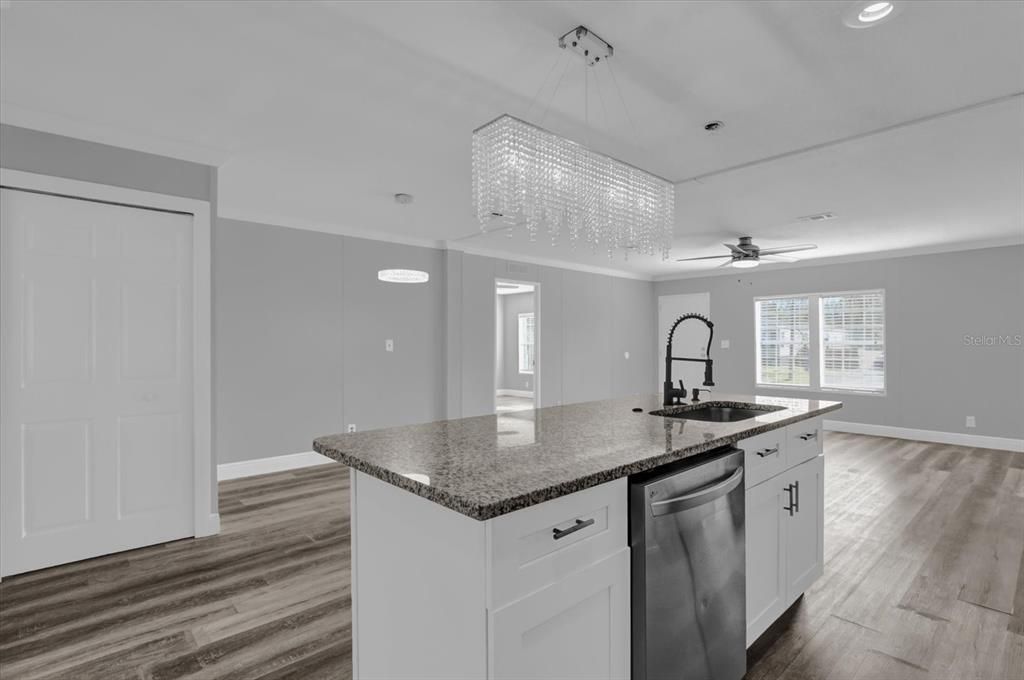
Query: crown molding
859	257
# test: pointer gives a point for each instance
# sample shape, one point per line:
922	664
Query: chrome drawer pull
809	435
580	524
767	452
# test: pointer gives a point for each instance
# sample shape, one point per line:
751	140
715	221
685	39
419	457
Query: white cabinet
784	524
542	592
806	527
575	628
766	524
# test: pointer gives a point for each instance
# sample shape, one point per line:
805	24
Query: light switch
389	345
625	354
725	344
971	422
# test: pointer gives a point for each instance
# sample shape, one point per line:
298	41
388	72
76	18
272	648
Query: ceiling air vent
818	217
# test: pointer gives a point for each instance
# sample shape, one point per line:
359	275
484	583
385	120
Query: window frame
520	318
816	344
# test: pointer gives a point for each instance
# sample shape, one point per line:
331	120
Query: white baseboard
956	438
262	466
515	393
208	526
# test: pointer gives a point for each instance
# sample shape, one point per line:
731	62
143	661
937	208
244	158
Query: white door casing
105	425
690	340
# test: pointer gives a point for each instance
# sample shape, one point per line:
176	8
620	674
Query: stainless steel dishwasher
686	535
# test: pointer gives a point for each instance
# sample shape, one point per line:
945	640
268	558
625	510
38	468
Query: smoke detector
403	199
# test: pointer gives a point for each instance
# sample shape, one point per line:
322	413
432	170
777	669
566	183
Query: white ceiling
319	112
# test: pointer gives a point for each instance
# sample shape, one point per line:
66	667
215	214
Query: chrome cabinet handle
796	492
767	452
580	524
809	435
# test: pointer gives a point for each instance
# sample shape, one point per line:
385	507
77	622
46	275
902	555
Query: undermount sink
716	413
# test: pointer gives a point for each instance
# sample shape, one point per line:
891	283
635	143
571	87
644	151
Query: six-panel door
96	446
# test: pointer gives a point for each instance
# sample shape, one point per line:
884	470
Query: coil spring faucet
672	394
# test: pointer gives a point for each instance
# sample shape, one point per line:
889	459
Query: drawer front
804	441
764	456
537	546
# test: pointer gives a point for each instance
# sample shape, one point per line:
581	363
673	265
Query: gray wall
510	307
586	324
301	323
933	379
47	154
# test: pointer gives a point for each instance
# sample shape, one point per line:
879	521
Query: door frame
538	370
206	522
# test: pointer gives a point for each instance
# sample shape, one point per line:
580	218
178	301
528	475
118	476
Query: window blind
853	341
783	341
527	358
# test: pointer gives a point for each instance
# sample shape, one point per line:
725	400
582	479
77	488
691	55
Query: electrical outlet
970	421
625	354
351	427
389	345
725	344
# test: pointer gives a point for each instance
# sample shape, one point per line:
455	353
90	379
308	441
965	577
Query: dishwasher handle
705	495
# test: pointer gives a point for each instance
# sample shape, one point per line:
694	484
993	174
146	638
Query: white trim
515	393
857	257
19	116
201	384
955	438
209	527
545	262
263	466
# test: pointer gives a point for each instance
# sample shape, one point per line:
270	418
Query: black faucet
673	395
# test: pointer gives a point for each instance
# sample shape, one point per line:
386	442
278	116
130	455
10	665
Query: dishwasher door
688	571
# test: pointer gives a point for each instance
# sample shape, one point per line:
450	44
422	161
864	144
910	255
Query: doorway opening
516	346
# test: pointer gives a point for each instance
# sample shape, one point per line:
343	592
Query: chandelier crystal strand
526	176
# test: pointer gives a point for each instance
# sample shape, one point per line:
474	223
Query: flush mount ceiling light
402	276
526	176
864	14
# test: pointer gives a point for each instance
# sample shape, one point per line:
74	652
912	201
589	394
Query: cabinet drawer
537	546
764	456
803	441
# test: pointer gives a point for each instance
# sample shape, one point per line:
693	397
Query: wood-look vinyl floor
924	579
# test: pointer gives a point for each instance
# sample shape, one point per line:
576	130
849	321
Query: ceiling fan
746	254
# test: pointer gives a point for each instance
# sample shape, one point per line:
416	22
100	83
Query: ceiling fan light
745	264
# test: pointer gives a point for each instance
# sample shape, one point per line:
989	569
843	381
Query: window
527	354
853	341
827	341
783	341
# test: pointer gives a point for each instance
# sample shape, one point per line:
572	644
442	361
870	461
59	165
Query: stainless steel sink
716	412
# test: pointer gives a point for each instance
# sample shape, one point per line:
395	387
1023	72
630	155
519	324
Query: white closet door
96	359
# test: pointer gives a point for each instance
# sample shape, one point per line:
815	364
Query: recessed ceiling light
744	264
403	276
864	14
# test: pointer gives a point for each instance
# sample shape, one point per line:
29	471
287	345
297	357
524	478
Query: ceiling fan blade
778	258
787	249
735	249
725	264
706	257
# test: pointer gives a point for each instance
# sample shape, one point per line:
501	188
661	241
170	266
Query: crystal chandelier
526	176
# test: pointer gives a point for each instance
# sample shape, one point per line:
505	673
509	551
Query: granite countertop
491	465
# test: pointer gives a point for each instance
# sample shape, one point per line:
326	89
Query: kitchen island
456	568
